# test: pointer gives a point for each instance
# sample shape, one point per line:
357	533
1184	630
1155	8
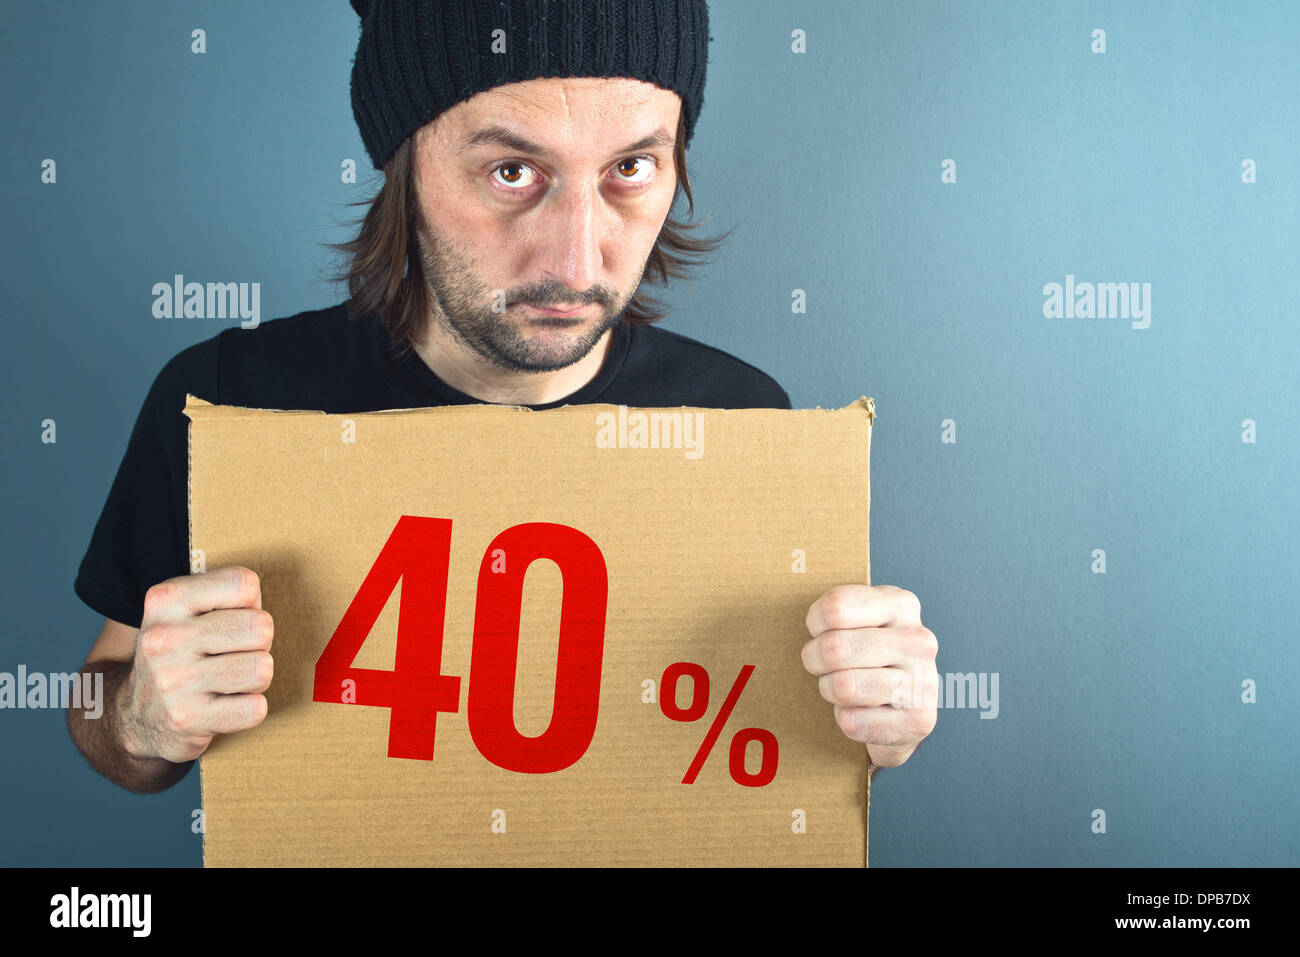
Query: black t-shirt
322	360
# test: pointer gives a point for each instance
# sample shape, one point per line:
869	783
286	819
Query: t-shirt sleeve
142	536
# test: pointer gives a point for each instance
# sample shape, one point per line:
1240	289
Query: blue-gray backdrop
921	171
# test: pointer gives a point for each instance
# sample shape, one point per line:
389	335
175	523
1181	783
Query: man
531	154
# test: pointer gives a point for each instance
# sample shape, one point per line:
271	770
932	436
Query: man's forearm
100	739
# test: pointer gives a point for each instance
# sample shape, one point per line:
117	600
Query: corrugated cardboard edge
193	401
189	545
866	803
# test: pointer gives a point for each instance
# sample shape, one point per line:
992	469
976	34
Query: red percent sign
699	704
418	553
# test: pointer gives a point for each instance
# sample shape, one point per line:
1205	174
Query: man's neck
452	364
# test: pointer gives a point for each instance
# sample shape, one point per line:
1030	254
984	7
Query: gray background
1119	691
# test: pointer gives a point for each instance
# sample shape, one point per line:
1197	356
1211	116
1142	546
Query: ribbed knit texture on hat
416	58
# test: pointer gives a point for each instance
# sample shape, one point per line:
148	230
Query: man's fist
874	661
202	661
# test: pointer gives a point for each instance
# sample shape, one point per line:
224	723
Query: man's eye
635	175
514	175
634	170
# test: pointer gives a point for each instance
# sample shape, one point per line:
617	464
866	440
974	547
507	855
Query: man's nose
572	235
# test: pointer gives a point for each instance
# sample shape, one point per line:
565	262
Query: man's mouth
561	312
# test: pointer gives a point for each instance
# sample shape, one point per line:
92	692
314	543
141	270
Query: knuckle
261	625
247	581
178	719
843	686
150	642
808	656
158	596
837	649
850	721
265	670
833	609
927	645
908	600
159	593
157	640
924	720
165	682
810	616
846	718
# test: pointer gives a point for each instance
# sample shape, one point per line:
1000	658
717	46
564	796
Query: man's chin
528	342
540	359
549	351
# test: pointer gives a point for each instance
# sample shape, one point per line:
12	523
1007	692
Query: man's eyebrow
500	136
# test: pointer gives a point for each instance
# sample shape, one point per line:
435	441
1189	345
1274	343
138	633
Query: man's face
542	194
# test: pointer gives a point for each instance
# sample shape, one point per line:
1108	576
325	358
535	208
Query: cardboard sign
506	637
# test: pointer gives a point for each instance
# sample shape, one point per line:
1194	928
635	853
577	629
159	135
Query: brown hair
385	276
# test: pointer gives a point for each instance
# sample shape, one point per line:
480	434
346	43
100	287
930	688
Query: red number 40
418	553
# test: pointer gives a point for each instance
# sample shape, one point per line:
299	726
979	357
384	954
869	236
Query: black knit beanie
416	58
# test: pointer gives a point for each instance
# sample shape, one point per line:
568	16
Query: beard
500	332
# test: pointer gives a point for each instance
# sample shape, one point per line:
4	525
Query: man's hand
874	661
202	661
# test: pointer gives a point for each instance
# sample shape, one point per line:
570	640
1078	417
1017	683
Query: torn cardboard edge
193	403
